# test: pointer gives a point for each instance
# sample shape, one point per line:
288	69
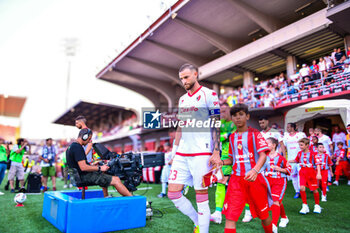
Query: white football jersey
292	144
272	133
197	108
326	141
339	137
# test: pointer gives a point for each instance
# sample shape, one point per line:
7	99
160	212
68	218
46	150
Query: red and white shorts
278	188
239	192
307	177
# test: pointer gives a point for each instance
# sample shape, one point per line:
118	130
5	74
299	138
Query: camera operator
4	152
16	157
76	158
48	159
80	123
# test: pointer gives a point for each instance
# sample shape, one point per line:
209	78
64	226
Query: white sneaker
216	217
348	182
70	185
65	186
336	183
324	198
317	209
283	222
1	193
304	209
247	216
274	228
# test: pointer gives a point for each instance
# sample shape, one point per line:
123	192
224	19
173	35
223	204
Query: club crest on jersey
198	98
225	206
239	146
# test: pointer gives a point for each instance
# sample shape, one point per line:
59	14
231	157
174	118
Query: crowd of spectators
268	93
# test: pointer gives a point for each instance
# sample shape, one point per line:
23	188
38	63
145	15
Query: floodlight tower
70	49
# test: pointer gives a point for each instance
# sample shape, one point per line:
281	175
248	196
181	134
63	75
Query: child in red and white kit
276	172
313	146
342	166
307	175
325	162
247	155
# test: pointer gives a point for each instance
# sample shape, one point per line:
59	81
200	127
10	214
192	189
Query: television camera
128	166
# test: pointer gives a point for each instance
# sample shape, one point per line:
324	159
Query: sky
33	63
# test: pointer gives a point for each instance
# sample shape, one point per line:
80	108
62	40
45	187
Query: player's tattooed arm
215	158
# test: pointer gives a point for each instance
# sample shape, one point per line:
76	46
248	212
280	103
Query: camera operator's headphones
87	134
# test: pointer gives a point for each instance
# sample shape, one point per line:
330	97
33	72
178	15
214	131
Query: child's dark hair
319	144
274	141
239	107
340	143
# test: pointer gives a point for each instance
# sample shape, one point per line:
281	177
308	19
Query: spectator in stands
322	66
333	55
305	72
328	79
315	71
16	157
48	159
338	55
4	152
348	52
329	62
346	69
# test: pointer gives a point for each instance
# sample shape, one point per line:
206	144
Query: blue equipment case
67	212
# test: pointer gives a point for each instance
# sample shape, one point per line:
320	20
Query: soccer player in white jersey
195	151
325	140
291	141
269	132
328	146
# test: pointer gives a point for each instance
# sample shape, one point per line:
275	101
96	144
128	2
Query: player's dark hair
48	139
293	125
315	137
319	144
225	104
274	141
348	125
190	67
239	107
340	143
81	118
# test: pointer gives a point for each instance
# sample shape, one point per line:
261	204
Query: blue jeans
3	167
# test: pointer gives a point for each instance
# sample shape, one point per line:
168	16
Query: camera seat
75	180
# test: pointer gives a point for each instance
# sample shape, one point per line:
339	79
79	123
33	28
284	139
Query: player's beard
189	86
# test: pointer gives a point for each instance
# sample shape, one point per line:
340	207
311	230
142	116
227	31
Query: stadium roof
11	106
95	114
205	33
